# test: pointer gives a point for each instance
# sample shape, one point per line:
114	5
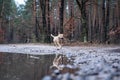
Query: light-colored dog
57	40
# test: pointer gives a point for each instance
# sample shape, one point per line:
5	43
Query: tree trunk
1	12
104	18
35	21
61	15
43	8
84	28
107	21
48	22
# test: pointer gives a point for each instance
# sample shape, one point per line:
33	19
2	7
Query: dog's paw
58	48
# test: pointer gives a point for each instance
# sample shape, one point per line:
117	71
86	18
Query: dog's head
60	35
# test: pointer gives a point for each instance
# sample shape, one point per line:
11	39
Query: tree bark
61	15
84	28
48	22
35	21
43	8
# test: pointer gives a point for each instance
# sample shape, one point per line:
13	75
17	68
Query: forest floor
96	62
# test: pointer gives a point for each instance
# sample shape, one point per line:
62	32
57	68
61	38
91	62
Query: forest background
92	21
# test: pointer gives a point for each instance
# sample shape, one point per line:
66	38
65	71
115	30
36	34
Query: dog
57	40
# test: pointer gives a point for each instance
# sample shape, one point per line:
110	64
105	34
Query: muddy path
50	49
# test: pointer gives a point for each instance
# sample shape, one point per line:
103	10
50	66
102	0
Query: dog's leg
61	41
55	43
59	45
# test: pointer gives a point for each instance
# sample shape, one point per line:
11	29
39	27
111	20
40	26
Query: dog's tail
52	35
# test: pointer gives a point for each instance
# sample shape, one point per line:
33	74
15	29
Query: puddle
16	66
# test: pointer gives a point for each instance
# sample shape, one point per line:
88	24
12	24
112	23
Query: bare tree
84	28
61	15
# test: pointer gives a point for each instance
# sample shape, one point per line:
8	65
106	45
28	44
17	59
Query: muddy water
15	66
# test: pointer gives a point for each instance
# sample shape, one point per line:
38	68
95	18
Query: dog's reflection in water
59	62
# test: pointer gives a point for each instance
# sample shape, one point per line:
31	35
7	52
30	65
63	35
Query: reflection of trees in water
1	58
23	67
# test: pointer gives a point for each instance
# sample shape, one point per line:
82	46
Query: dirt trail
50	49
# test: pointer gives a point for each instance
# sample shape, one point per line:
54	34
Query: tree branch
79	4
